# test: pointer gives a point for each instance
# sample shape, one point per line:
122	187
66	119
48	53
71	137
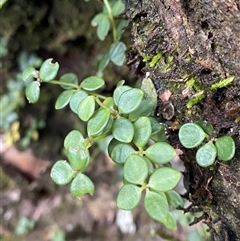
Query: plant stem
57	82
111	19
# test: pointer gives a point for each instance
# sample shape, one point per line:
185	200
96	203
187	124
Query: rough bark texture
200	40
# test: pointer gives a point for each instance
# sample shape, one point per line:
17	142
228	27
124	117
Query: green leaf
119	152
150	165
120	83
32	92
150	91
81	185
109	103
76	99
160	152
142	131
86	108
78	158
29	73
69	78
118	92
129	197
191	135
225	148
121	28
123	130
104	62
156	206
97	19
164	179
98	122
170	222
102	22
74	139
62	173
207	128
103	28
174	199
48	70
63	99
135	169
117	53
145	109
108	128
206	155
130	100
117	8
92	83
158	130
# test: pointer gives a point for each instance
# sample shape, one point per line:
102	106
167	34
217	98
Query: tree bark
197	40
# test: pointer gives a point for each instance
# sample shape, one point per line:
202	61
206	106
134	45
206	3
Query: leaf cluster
105	21
126	117
138	141
192	135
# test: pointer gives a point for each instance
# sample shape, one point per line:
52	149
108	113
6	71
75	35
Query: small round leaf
117	8
81	185
98	122
28	73
225	148
103	28
129	197
78	158
119	152
191	135
76	99
170	222
150	165
174	199
123	130
32	92
120	83
150	91
108	103
121	28
130	100
63	99
117	53
156	206
135	169
69	78
142	131
145	109
97	19
86	108
160	152
118	92
207	128
48	70
92	83
158	130
206	155
73	139
61	172
108	128
103	62
164	179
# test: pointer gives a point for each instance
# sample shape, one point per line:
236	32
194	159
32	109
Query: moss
222	83
195	100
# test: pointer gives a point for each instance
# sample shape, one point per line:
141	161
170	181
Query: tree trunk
196	40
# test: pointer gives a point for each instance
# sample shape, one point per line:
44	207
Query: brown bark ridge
196	41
